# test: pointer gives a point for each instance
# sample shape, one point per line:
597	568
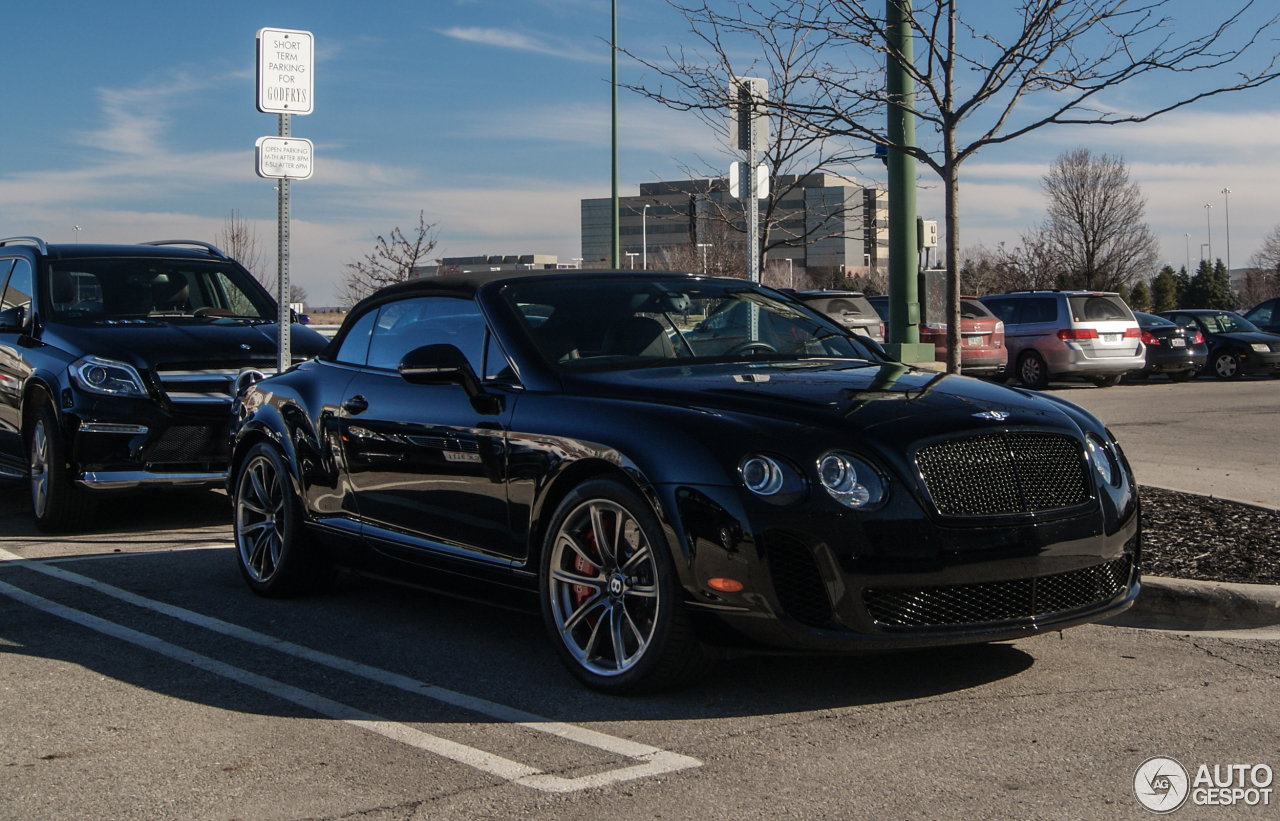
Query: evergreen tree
1138	298
1207	289
1222	277
1182	293
1164	290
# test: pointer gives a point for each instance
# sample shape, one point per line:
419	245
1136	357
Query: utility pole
284	352
1209	228
904	305
1226	197
616	258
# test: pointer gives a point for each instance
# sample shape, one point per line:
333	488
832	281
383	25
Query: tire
56	503
1225	364
1106	381
270	548
615	617
1183	376
1032	371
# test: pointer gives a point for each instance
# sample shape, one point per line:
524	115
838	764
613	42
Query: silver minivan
1088	334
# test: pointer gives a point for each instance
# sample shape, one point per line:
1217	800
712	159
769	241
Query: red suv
982	350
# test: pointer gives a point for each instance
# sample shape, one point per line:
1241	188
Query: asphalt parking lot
141	679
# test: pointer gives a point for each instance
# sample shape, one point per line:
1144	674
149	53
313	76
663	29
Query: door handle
356	405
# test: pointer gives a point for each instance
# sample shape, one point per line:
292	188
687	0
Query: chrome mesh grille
797	579
989	602
999	474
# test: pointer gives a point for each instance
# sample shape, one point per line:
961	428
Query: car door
426	467
16	286
1038	321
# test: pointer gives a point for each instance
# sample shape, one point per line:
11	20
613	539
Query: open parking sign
286	59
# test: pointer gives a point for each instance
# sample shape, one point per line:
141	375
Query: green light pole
904	305
616	257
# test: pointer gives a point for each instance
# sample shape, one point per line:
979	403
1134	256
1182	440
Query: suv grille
997	601
192	443
1004	473
797	579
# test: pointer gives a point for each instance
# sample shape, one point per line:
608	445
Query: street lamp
1188	268
76	229
633	256
1203	246
1209	227
1226	198
644	237
704	246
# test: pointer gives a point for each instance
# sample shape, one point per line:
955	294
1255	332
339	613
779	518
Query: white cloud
539	44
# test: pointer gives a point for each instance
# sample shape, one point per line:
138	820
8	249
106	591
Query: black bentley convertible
677	465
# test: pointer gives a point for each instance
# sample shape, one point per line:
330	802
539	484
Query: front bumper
945	584
1252	362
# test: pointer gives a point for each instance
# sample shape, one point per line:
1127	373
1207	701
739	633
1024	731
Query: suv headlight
1103	462
851	481
107	377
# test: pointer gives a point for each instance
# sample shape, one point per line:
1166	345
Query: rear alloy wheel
1106	381
56	502
273	559
1226	365
610	594
1033	372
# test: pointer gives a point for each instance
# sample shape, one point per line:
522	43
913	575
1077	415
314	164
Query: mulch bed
1197	537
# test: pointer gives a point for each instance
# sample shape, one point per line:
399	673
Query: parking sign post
285	87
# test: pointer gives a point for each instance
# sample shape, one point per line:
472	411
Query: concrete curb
1183	604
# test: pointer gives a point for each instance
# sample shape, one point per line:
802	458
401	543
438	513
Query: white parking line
654	761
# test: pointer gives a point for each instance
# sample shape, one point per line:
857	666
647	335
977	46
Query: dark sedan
1177	351
1236	346
573	439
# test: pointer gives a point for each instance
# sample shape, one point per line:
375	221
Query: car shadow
500	654
117	515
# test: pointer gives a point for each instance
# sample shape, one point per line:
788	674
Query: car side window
5	265
1186	321
1006	310
412	323
355	345
496	366
1261	315
1039	309
17	293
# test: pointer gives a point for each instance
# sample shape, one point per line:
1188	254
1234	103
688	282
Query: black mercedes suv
118	364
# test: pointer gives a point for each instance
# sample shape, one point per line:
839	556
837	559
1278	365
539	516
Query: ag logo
1161	784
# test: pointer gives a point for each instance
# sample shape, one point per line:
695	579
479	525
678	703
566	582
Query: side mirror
13	320
446	365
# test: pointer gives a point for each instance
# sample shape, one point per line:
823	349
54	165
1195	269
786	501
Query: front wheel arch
583	470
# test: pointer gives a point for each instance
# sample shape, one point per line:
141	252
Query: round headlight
850	482
96	375
1100	458
761	475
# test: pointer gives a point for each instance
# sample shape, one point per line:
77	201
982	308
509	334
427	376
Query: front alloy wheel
272	558
610	593
56	502
604	591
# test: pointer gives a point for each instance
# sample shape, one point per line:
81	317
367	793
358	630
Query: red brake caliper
582	592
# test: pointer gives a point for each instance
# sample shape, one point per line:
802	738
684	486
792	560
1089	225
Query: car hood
888	399
1249	337
148	343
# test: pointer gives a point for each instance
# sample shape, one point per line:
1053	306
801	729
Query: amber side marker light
725	585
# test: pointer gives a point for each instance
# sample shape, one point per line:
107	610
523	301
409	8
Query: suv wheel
56	502
610	594
1033	372
1226	365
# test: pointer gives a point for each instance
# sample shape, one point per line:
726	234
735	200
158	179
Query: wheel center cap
616	586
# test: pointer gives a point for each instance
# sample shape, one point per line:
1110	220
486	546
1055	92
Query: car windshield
1152	321
114	288
624	323
1226	323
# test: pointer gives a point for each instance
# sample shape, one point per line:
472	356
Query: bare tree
1095	230
394	259
238	239
971	81
702	85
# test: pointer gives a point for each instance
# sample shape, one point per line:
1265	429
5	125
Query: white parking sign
285	76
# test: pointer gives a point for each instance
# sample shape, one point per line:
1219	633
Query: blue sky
136	121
